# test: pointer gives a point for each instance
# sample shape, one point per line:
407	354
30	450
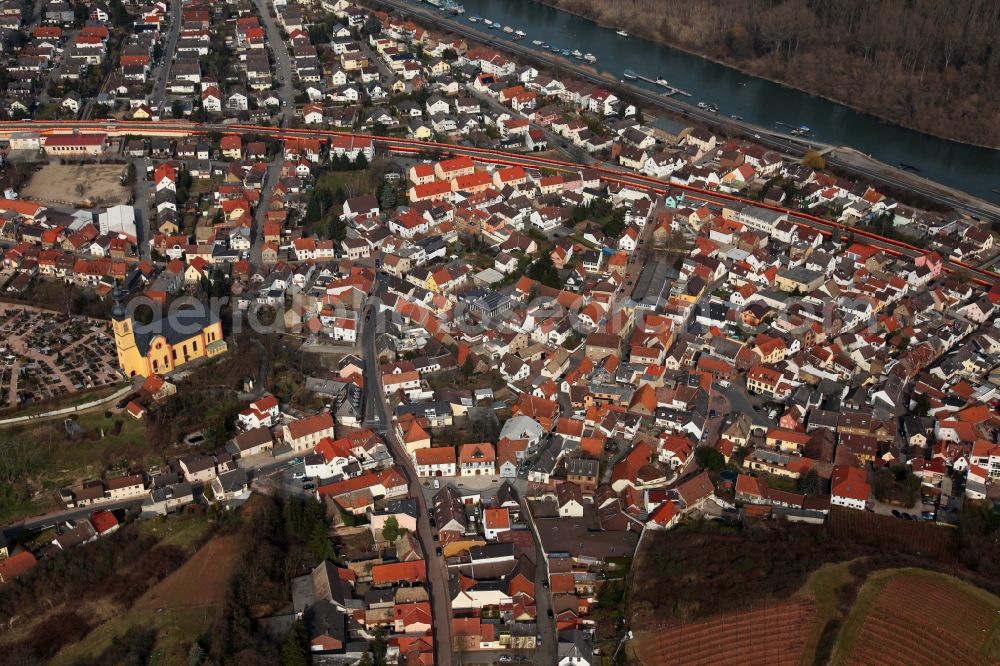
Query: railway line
122	128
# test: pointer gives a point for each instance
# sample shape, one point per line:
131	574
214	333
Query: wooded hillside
926	64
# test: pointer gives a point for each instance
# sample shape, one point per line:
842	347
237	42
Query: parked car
298	475
308	486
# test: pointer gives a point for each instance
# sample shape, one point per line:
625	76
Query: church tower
129	358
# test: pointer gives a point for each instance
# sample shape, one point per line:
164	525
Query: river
968	168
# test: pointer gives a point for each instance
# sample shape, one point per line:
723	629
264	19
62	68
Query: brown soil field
179	608
773	635
71	184
919	617
202	580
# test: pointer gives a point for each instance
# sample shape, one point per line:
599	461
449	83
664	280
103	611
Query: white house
435	461
261	412
849	487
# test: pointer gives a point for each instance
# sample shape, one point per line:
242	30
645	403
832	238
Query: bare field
75	184
202	580
179	608
913	616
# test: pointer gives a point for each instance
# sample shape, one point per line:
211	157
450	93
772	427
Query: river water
968	168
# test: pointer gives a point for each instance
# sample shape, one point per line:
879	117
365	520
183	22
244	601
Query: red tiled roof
103	521
414	572
310	425
16	565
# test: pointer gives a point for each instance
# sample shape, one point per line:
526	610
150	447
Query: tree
372	26
813	160
296	649
379	648
468	367
709	458
544	271
313	209
808	484
390	530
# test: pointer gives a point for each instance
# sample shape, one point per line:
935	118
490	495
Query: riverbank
873	171
648	29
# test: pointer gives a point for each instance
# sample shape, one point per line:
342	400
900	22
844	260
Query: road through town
377	418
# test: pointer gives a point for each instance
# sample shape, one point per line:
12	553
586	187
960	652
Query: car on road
505	658
298	475
545	584
436	537
437	484
550	614
724	383
437	551
927	515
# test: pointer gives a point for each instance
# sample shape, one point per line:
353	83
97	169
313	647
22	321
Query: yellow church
167	343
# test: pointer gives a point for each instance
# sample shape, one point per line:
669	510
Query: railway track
122	128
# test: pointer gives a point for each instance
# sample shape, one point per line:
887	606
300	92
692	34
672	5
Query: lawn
824	586
184	531
40	458
354	183
71	461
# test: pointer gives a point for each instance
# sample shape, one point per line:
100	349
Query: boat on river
630	75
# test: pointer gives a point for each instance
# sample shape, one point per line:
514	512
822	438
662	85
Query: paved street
170	45
282	63
260	215
39	523
437	574
142	192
